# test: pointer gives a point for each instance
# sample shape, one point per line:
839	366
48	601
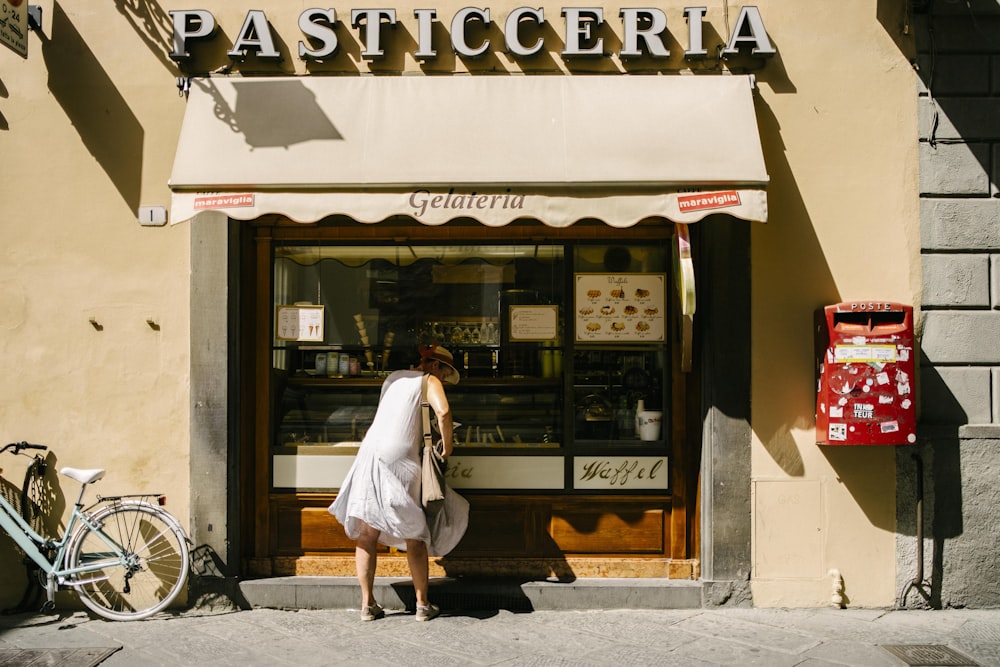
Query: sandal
428	612
372	613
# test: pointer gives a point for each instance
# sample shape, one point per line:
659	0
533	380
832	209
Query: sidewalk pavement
688	637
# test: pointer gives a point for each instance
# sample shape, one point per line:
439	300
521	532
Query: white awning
493	148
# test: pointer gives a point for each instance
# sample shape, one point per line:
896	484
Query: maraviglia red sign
704	201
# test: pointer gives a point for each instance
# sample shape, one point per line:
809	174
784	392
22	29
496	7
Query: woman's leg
366	558
416	558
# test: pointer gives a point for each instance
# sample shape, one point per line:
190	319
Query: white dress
382	488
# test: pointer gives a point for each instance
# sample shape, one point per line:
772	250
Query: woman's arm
439	402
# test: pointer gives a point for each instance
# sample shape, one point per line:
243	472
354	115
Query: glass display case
487	412
611	388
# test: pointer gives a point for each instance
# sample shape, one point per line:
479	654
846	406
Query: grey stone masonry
958	281
956	74
956	32
996	394
956	395
954	169
959	224
959	376
995	281
958	101
947	119
995	174
961	337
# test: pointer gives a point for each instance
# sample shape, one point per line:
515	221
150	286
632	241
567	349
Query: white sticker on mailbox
865	354
838	432
889	427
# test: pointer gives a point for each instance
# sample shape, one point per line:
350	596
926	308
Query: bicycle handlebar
17	447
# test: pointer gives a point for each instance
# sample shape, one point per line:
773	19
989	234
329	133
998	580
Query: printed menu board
534	323
299	323
620	307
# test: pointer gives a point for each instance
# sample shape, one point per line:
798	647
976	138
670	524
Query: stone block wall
958	453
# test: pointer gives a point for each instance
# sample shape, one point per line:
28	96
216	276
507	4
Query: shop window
559	345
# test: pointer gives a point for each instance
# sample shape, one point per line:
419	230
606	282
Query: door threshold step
475	594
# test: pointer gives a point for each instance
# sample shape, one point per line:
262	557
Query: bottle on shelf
626	419
640	406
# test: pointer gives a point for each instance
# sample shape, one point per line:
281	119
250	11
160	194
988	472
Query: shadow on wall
39	499
4	94
208	584
153	25
937	459
259	103
938	451
791	274
106	125
943	33
954	43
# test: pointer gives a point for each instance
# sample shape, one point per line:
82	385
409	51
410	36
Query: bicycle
126	557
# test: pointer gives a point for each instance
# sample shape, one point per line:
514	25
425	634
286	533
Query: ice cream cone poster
299	323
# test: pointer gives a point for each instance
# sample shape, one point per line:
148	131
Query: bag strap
425	408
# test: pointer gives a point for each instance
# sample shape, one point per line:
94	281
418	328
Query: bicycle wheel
145	576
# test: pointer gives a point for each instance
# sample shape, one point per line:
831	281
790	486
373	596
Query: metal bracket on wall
35	18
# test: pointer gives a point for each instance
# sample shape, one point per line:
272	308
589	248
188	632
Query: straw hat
435	352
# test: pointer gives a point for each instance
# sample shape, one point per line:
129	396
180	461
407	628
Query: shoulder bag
432	462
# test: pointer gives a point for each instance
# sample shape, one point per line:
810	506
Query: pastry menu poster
620	307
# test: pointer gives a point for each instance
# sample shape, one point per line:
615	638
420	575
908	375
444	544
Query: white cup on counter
650	423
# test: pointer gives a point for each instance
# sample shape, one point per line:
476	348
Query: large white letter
749	20
695	17
318	24
513	39
577	28
255	34
458	41
190	24
650	35
373	26
425	25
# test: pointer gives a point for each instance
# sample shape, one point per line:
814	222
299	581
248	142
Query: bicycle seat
83	476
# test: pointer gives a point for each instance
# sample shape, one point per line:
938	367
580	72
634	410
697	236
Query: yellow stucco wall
88	125
840	143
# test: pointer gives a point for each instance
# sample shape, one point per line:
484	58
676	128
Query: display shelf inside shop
463	331
627	441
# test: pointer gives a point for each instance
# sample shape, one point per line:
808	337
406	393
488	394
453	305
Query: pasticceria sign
643	30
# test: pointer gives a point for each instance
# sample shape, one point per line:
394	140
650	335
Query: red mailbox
866	392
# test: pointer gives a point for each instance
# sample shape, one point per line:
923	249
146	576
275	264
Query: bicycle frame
31	542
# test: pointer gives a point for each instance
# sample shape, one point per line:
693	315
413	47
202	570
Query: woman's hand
444	450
